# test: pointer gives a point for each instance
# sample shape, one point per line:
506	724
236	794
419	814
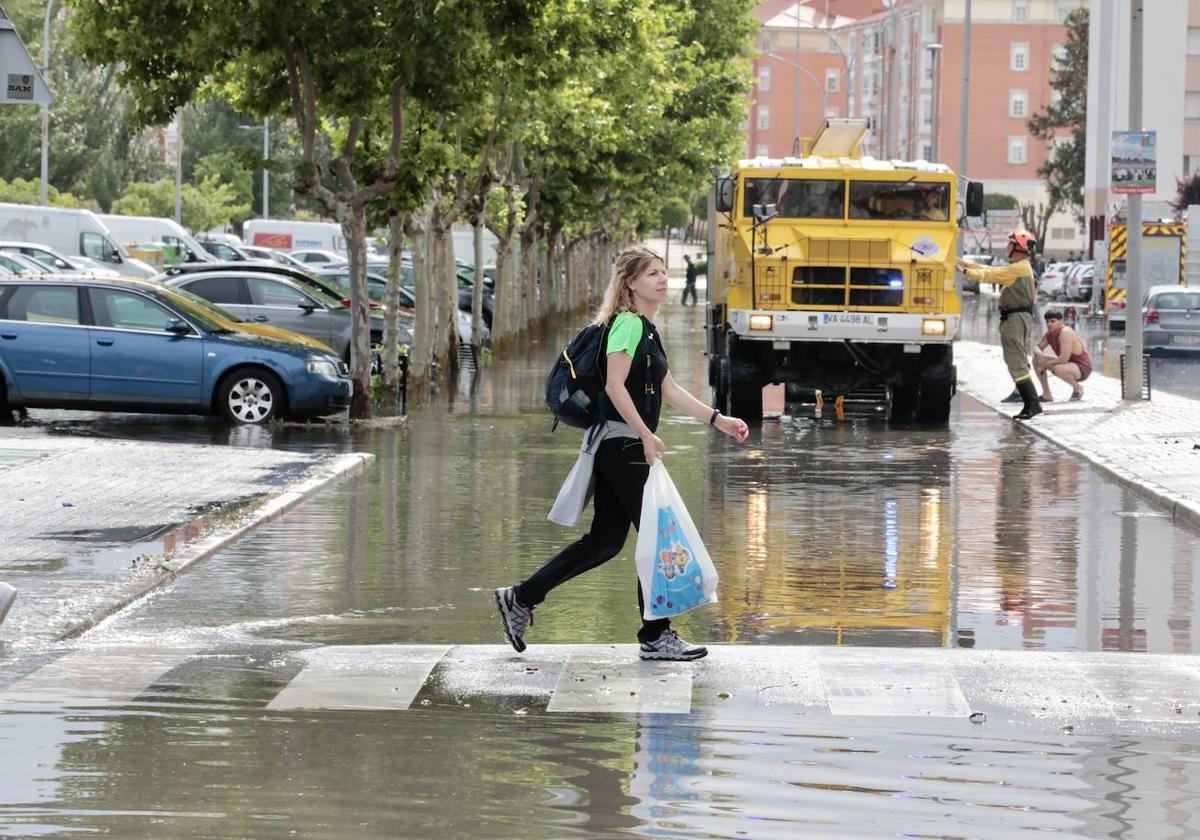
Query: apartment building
898	63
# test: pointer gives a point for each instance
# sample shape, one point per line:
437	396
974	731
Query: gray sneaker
514	617
670	646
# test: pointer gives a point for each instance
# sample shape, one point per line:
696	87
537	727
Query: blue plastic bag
673	565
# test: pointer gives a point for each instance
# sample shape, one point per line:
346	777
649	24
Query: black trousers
688	289
620	472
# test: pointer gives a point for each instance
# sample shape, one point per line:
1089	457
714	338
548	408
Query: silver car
280	302
1171	315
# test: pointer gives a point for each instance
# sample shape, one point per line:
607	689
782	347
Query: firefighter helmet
1022	240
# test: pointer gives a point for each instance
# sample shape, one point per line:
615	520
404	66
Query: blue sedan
114	345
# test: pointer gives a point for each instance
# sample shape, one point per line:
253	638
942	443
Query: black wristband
712	421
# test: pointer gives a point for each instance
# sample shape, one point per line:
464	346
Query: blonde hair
618	297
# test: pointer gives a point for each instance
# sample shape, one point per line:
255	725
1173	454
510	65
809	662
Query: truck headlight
933	326
762	322
322	367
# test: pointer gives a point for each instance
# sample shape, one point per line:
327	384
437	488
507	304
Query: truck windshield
913	201
796	198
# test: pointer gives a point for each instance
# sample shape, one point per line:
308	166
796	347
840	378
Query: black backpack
575	386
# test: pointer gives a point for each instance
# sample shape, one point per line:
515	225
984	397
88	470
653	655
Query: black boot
1029	394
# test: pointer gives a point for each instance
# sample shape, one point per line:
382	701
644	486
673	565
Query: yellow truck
835	272
1164	260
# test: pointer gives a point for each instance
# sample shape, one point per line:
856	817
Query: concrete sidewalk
1152	447
90	525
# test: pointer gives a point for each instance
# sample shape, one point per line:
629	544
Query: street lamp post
44	189
935	50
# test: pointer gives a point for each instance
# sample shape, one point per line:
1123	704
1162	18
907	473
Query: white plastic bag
673	565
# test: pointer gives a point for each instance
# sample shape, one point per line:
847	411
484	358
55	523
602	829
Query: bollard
1145	375
7	596
404	384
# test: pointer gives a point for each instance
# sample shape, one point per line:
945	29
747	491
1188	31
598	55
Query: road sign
1134	162
23	84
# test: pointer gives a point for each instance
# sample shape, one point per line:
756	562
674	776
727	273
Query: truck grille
850	274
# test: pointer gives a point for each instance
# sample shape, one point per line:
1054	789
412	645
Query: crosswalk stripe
111	675
892	688
385	677
610	681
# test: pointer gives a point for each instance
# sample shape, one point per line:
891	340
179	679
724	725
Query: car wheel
251	396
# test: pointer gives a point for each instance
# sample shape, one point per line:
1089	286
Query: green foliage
204	206
674	213
1063	123
1000	201
21	191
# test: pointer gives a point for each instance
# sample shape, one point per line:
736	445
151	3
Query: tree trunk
391	301
423	330
353	218
445	285
477	289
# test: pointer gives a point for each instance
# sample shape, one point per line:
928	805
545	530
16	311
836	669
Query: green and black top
636	335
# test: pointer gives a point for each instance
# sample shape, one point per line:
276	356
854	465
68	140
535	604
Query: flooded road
825	532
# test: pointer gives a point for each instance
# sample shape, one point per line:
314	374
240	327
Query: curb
1180	511
266	511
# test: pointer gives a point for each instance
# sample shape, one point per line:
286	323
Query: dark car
271	298
109	345
303	276
377	284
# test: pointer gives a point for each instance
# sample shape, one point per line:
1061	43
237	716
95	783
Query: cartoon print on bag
674	560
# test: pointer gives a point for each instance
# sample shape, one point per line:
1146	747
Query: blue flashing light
896	284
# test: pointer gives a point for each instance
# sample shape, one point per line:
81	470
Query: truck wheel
934	393
794	394
250	395
745	386
904	401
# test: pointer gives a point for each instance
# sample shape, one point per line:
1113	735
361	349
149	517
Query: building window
764	41
927	111
744	126
764	78
764	117
927	152
1191	106
1018	57
1064	8
832	81
1020	10
1018	103
853	43
1062	233
1016	149
761	150
1193	41
1059	54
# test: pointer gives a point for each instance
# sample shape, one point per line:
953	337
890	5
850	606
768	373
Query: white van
70	231
285	235
136	230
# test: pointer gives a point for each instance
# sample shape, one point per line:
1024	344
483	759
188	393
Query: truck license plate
863	319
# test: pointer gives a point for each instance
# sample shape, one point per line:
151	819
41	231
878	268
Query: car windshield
906	201
796	198
211	317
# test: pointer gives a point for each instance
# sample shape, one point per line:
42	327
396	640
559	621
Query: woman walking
637	383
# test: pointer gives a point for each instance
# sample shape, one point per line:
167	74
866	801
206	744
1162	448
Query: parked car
110	345
313	256
53	261
298	273
19	264
255	252
1171	318
377	289
268	298
222	246
1050	286
69	231
1078	280
135	230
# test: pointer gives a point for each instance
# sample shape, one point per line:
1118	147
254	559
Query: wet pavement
856	532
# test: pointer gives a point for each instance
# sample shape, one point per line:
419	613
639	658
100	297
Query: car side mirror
974	202
114	257
724	194
308	306
178	326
